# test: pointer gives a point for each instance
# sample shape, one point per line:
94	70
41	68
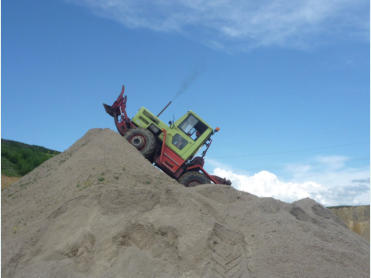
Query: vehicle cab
184	137
192	132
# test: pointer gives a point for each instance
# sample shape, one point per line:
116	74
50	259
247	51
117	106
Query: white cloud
267	184
326	179
240	23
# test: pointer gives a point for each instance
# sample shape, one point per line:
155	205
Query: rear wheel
143	140
193	178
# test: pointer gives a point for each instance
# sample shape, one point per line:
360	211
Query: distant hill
17	159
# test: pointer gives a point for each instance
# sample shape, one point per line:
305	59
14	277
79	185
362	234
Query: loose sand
100	209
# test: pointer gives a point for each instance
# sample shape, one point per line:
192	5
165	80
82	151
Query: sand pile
101	210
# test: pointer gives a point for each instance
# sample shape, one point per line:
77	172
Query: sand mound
101	210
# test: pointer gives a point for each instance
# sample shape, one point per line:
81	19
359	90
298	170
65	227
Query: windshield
188	124
192	127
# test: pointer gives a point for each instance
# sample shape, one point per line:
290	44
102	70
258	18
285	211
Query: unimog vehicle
170	147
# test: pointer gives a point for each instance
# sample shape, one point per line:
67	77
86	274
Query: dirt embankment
6	181
357	218
101	210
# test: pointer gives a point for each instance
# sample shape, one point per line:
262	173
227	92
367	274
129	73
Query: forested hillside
17	159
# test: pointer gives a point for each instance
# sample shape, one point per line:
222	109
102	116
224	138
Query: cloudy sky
241	24
286	81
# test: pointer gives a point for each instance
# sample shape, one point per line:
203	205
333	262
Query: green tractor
171	147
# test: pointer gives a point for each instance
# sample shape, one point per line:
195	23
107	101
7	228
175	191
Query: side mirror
216	129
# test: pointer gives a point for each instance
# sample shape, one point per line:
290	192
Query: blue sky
287	83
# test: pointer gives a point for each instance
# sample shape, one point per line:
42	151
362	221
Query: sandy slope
101	210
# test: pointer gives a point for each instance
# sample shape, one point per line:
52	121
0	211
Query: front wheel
143	140
193	178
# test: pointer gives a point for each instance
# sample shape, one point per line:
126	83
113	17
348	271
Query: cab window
178	141
192	127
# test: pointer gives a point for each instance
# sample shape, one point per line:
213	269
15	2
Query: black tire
143	140
193	178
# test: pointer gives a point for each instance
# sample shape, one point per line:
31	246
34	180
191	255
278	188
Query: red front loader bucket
120	102
110	110
118	111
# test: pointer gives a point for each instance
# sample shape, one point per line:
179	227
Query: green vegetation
100	179
17	159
